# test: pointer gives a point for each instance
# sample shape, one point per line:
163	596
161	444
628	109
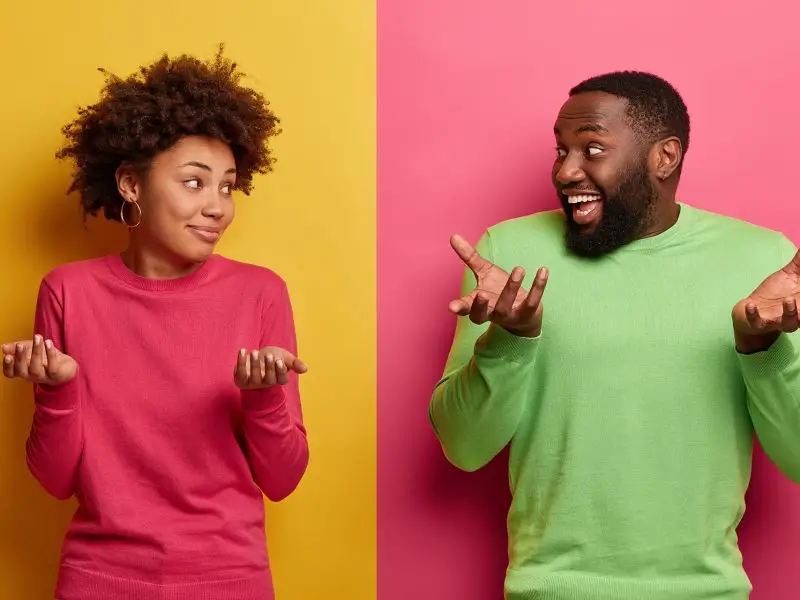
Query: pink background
467	98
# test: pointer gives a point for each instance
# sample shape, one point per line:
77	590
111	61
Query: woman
165	378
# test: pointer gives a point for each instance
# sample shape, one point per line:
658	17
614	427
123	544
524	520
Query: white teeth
583	198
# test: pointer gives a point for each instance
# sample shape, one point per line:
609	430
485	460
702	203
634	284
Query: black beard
626	214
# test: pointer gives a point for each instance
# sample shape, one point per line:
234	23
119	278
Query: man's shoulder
741	235
539	228
730	224
545	221
539	235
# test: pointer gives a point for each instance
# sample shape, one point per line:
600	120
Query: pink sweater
166	456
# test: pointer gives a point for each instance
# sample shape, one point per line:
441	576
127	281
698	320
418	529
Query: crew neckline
676	232
120	270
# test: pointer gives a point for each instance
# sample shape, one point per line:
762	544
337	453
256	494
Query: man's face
601	175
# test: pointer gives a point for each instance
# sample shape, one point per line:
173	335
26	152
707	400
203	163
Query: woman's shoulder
249	275
77	272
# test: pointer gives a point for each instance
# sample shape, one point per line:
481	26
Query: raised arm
55	442
275	436
477	404
764	326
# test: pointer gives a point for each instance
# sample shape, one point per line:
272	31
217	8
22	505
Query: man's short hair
655	108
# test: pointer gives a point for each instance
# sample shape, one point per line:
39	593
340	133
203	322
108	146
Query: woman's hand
265	368
38	361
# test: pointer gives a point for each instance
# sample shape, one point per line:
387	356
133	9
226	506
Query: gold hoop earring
122	214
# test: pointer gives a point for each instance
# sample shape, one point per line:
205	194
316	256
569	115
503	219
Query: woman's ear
128	183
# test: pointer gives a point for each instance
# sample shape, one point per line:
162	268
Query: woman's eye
226	189
561	152
192	183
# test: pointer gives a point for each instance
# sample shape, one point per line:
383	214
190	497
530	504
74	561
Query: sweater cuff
500	343
263	399
771	361
59	397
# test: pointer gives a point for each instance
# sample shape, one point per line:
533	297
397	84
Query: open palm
772	307
38	361
499	297
265	367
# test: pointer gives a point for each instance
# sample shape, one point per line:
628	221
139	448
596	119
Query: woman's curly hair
138	117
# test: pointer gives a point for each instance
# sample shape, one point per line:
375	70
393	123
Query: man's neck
665	216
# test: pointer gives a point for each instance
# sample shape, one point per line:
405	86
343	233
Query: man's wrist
530	332
751	344
499	343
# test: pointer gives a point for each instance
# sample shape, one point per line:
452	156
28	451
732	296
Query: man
631	400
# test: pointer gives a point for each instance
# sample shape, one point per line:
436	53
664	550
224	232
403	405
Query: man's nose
570	171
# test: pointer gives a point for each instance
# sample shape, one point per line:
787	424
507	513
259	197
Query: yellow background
312	220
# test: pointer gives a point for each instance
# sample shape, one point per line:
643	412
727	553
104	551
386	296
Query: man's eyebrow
588	128
592	128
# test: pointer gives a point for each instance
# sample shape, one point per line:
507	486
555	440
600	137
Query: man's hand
770	310
498	297
266	367
38	361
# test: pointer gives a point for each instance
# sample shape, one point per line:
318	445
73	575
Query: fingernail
20	348
37	339
7	359
280	364
242	352
255	354
270	358
48	344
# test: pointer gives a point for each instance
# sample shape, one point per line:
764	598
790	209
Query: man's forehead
595	111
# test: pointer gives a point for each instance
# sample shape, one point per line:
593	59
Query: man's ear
666	157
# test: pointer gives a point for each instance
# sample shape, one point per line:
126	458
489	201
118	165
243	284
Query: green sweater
630	418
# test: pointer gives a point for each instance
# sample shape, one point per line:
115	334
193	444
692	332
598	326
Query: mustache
579	190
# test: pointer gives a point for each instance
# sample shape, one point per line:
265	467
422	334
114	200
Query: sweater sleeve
55	443
772	379
477	404
275	436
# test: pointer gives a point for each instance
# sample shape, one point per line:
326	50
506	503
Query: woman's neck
151	264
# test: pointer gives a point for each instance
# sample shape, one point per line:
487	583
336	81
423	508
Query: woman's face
185	199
